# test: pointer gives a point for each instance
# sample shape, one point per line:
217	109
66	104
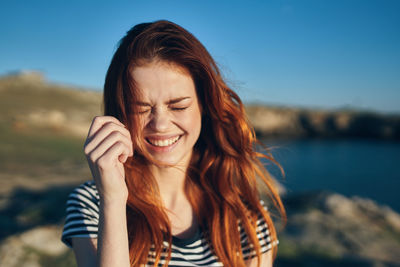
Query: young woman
173	162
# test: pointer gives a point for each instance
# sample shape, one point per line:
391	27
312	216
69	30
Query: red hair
221	179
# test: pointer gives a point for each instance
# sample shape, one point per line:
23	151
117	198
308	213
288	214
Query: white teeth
165	142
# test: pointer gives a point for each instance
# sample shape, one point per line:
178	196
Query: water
366	168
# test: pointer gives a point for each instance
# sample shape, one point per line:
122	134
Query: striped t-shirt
83	218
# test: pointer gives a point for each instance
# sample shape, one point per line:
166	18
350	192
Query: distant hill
42	130
281	122
27	100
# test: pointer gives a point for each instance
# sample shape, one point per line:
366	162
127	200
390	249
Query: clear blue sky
314	53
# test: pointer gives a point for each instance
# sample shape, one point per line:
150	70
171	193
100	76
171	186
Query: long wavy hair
221	180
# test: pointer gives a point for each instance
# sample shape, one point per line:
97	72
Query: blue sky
305	53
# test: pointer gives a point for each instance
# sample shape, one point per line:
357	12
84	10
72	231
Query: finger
107	143
110	126
122	158
104	132
99	121
99	145
111	155
107	130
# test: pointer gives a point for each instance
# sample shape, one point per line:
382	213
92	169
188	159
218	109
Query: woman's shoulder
86	191
82	213
262	232
85	199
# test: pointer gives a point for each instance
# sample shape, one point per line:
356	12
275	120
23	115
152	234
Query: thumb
122	158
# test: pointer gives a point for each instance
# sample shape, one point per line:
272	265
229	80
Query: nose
159	120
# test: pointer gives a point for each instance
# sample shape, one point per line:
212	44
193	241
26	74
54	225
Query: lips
163	142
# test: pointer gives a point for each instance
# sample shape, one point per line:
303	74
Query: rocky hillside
304	123
42	129
28	101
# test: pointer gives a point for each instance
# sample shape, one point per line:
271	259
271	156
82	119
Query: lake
366	168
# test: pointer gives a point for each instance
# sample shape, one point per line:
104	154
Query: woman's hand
107	147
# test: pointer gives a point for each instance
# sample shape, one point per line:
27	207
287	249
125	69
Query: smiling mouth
164	142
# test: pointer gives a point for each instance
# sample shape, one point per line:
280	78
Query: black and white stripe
83	218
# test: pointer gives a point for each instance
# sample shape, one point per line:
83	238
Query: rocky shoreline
323	229
329	229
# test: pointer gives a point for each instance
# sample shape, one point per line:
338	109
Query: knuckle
91	157
119	144
109	126
102	162
97	119
86	150
128	133
110	118
116	134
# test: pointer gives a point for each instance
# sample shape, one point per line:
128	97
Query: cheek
195	123
190	121
143	122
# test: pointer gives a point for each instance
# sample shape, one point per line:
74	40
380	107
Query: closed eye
178	108
143	111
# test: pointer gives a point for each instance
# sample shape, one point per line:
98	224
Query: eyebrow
177	100
170	102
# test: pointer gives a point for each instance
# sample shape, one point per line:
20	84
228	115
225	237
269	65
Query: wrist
113	203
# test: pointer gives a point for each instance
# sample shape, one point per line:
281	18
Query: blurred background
321	85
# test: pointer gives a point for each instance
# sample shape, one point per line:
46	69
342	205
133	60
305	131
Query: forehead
160	80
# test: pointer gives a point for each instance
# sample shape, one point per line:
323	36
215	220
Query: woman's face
169	111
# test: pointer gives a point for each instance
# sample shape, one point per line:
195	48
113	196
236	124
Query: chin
172	161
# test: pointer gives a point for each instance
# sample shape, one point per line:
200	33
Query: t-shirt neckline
181	242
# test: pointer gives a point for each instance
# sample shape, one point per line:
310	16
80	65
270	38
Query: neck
171	183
